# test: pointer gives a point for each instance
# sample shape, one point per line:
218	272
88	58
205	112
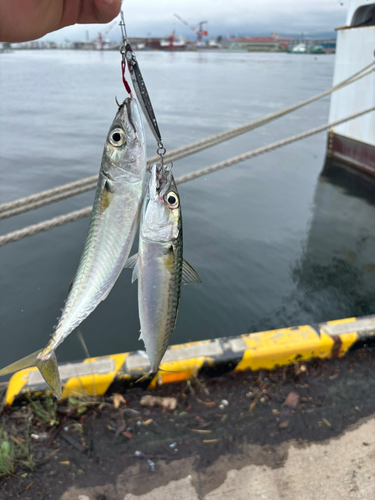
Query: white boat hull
354	142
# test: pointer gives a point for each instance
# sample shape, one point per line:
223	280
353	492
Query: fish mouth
163	180
155	217
125	102
128	104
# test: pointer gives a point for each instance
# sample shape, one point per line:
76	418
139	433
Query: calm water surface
275	241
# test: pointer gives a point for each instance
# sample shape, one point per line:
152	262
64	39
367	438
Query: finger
23	20
89	11
106	10
98	11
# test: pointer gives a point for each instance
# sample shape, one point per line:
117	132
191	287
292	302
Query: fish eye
172	200
117	137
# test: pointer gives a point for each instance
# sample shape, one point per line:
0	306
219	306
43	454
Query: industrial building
259	44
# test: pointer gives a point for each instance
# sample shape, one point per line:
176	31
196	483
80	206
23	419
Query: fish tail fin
146	376
48	368
50	372
153	373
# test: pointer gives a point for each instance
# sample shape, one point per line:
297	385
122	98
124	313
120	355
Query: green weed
6	454
44	410
14	449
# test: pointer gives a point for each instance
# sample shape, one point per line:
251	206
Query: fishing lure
129	59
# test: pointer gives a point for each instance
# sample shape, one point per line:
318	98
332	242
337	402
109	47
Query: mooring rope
262	150
47	200
77	187
85	212
242	129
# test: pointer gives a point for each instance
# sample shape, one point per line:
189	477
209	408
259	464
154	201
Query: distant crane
200	32
105	33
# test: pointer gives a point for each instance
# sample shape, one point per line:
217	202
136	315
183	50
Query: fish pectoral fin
132	262
48	368
135	273
189	275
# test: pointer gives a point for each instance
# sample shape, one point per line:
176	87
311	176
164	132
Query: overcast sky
225	17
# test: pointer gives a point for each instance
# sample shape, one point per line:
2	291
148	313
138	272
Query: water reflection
335	276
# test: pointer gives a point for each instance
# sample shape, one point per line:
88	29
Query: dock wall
251	351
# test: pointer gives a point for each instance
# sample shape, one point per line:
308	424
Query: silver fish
159	265
118	201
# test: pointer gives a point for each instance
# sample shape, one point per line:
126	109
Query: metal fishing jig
129	59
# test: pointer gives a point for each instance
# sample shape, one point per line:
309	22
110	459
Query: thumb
106	10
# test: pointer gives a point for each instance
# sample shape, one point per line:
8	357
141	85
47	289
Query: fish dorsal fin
189	275
132	262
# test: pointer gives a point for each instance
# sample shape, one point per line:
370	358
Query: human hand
23	20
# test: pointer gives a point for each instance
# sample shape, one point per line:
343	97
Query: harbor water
278	240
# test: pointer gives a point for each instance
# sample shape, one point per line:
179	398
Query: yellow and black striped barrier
254	351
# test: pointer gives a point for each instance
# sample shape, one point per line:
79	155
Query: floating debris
118	400
201	431
292	400
129	412
327	422
151	401
287	408
151	464
76	444
41	436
